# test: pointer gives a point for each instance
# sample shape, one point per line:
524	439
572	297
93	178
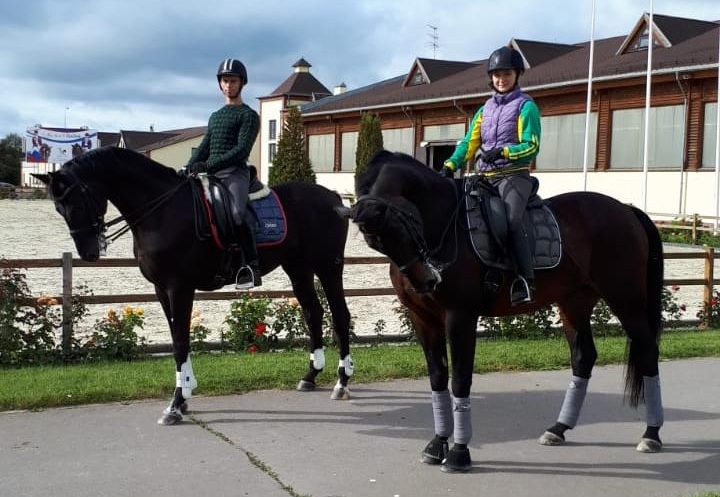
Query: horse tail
654	291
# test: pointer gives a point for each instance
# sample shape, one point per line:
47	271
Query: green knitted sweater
230	136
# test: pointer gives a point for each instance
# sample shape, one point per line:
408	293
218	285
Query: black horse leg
583	354
177	305
331	280
302	281
461	328
642	381
430	332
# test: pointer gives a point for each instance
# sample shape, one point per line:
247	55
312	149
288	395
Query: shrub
114	336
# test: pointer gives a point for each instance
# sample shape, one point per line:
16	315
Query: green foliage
114	336
247	324
291	162
370	142
711	316
11	159
680	232
27	325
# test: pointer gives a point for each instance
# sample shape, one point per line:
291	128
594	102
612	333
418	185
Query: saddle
486	223
265	211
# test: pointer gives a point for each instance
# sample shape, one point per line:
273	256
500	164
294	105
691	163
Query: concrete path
285	443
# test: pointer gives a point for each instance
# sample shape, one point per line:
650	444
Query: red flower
682	307
253	349
260	328
675	288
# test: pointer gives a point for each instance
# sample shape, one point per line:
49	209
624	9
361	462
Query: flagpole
648	83
586	152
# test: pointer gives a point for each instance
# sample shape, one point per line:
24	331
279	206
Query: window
444	132
709	135
272	129
349	149
563	140
272	151
398	140
666	138
417	78
321	150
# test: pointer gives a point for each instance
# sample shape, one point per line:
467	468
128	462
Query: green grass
222	374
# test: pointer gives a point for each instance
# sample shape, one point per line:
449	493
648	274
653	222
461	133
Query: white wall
269	110
668	192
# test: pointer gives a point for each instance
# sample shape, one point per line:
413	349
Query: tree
370	142
291	163
11	159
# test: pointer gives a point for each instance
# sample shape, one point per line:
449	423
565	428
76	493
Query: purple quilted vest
499	126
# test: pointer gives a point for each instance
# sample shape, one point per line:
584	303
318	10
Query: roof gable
431	70
667	31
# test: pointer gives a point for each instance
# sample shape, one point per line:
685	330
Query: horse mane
382	159
126	158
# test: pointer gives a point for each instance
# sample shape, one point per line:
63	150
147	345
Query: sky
130	65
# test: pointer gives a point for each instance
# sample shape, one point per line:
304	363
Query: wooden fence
67	263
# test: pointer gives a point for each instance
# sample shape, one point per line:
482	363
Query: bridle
413	227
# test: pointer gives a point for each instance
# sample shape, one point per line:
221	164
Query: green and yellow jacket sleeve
528	144
465	150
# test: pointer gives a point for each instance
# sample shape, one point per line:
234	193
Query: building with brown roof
427	110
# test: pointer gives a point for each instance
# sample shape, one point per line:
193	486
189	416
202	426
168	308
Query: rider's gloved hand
447	171
197	167
490	156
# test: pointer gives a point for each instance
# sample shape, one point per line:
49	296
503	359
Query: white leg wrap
574	398
347	363
462	417
317	357
653	401
185	378
442	413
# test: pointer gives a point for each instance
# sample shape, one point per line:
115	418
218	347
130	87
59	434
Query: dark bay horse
157	205
610	251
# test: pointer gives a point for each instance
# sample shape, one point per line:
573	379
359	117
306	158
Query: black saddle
486	223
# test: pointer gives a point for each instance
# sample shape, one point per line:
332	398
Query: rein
146	210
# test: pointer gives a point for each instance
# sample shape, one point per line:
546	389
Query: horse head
83	207
396	230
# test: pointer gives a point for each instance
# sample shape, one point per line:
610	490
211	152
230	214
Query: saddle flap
487	228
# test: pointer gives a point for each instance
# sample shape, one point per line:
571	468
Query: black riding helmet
234	67
505	58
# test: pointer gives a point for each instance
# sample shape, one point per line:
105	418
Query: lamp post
66	110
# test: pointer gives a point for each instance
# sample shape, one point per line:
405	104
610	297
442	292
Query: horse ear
45	178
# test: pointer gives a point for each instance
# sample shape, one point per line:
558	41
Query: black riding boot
523	287
249	275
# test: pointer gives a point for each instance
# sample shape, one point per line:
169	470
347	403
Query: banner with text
57	144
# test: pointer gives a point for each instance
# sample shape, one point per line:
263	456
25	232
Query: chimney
339	89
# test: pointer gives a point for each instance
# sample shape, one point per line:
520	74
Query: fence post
695	229
709	277
67	317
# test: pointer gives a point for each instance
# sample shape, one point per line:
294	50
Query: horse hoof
457	461
549	438
340	394
170	418
649	446
435	451
305	386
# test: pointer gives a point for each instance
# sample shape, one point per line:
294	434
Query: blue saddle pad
270	220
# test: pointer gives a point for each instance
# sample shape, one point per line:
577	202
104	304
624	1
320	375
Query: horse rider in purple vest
503	138
223	153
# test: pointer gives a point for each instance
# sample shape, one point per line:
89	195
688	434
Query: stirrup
520	292
245	279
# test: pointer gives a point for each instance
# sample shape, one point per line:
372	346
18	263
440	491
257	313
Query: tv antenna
434	39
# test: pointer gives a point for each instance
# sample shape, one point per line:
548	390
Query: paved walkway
285	443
